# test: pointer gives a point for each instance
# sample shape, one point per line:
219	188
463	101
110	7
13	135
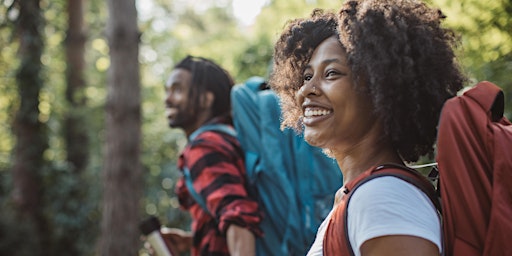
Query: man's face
177	101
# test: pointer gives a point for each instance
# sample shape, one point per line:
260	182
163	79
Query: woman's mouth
313	115
314	112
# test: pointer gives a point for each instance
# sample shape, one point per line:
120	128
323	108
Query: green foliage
8	98
160	150
254	59
16	236
486	32
71	208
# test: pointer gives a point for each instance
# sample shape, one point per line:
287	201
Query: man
197	95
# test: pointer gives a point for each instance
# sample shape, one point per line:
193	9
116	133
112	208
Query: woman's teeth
316	112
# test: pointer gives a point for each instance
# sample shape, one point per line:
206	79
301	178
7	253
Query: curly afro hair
401	52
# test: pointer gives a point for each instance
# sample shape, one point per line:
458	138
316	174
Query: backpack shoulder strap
222	128
404	173
413	177
399	171
490	97
189	183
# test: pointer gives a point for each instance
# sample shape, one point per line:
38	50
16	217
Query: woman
368	86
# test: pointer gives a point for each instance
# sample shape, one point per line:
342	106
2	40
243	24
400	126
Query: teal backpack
295	182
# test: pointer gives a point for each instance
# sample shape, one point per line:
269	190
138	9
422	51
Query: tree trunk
31	137
75	132
75	128
122	172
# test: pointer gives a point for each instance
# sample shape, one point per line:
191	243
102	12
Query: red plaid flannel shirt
215	161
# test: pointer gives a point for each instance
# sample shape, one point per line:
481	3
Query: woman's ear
207	100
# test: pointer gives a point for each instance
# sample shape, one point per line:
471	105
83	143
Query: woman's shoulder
389	190
389	205
386	182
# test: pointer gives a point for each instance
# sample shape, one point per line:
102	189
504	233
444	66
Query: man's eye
177	89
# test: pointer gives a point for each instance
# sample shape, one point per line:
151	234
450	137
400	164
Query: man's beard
182	120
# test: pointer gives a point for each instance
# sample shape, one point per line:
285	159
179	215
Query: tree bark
30	132
75	132
122	172
75	126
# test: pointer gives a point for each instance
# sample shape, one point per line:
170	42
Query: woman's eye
307	77
331	73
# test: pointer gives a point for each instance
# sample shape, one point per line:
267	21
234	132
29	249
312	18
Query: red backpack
475	170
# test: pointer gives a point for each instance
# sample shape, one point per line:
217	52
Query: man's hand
177	240
241	241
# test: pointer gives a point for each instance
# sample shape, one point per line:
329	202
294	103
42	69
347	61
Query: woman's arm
399	245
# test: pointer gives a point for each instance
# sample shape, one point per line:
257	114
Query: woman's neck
373	150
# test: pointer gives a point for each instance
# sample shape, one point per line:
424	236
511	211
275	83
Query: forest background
85	150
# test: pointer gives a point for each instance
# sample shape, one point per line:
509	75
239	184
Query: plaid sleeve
216	165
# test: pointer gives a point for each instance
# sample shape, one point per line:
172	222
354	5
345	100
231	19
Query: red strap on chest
336	240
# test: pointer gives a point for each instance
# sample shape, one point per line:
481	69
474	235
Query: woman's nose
308	89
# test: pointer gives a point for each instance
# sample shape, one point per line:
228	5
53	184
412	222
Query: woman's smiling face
335	115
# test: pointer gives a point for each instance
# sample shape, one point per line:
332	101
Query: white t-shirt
386	206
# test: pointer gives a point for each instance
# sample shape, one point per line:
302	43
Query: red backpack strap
490	97
336	239
413	177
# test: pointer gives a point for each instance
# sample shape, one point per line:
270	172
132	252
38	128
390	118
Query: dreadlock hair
292	52
207	76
